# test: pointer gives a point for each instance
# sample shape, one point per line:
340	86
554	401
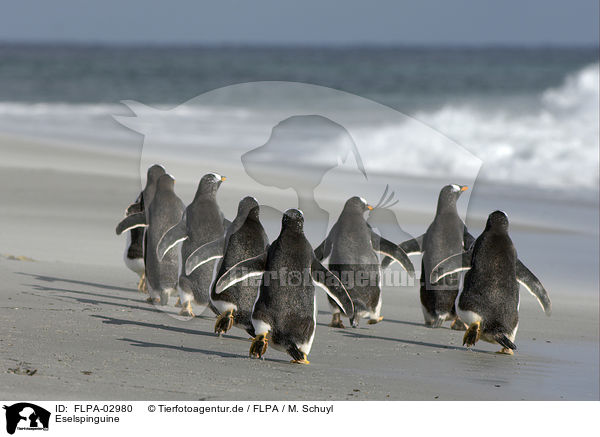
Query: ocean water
531	116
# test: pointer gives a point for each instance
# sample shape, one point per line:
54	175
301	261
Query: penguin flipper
410	247
395	253
324	249
332	286
453	264
205	253
241	271
134	208
130	222
528	280
173	236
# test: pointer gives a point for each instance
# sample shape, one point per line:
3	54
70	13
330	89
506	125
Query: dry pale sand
74	315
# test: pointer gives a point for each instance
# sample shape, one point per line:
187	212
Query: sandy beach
72	313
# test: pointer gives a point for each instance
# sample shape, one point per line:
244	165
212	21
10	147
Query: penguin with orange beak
202	222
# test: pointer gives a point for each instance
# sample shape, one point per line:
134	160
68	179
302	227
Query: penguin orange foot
142	287
178	303
153	300
506	351
186	310
303	360
224	322
472	335
375	321
458	325
259	346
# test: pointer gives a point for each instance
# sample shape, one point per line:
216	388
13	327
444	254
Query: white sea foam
554	145
551	142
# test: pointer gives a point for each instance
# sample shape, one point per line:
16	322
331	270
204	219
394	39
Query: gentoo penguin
353	246
245	238
489	300
446	235
201	223
285	310
165	211
134	246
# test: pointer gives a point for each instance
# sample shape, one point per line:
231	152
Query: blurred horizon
300	45
531	114
311	22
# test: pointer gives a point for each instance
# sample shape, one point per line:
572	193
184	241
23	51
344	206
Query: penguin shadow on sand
171	328
355	334
79	297
386	320
300	151
147	344
47	278
193	350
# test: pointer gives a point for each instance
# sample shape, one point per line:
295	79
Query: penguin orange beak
223	178
369	207
464	188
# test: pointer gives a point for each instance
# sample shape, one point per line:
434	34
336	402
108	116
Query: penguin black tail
295	353
505	342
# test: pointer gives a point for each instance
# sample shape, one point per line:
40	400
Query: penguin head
497	221
209	184
166	182
293	220
449	195
248	207
155	172
357	204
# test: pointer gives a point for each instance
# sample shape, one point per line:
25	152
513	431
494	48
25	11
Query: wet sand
73	314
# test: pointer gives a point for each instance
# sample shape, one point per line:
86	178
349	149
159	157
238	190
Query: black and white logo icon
26	416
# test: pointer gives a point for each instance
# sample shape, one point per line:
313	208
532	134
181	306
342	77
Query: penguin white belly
260	326
223	306
380	301
184	295
156	293
468	317
136	265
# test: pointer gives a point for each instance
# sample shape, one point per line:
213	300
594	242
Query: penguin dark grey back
356	247
445	236
245	239
352	246
134	246
204	219
285	311
489	300
242	236
152	176
201	223
165	211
